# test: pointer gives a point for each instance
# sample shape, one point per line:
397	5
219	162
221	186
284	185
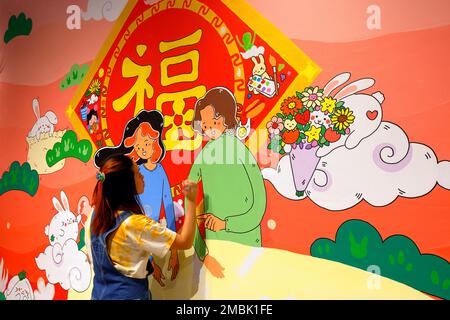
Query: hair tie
100	176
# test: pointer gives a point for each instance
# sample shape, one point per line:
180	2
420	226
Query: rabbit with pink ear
62	260
43	124
366	109
64	224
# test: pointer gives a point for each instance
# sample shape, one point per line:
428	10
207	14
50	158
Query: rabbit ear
261	58
354	87
335	82
65	201
254	60
57	204
36	108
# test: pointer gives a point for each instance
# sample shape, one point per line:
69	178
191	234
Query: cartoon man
233	187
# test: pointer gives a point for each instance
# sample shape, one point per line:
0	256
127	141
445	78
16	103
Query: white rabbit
43	124
366	109
64	224
260	68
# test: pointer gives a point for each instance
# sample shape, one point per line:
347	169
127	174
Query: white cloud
65	265
104	9
44	292
93	99
253	52
381	168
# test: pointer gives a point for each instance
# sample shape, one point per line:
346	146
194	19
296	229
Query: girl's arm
185	237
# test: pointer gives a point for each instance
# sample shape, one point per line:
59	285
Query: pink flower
275	125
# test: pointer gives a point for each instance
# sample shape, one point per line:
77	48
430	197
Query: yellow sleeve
151	235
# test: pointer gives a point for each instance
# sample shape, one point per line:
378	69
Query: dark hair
224	104
91	114
156	121
116	192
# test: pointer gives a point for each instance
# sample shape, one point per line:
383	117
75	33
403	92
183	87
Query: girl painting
142	142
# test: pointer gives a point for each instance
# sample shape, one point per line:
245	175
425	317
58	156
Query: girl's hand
190	190
174	264
158	275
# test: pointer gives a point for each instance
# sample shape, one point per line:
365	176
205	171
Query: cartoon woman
92	120
142	142
233	187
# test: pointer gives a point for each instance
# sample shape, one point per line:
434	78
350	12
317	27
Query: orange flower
291	105
290	137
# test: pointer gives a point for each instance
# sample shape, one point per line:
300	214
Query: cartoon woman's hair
155	121
224	104
91	114
146	130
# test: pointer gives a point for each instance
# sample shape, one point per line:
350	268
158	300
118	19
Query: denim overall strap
109	283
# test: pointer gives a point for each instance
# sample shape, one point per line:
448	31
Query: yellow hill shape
264	273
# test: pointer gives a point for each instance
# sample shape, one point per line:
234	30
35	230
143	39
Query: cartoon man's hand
212	222
214	266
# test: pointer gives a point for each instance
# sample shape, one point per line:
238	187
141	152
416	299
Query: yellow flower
342	118
313	134
312	97
95	86
328	105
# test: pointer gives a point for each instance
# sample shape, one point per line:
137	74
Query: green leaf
69	147
279	115
339	104
18	26
435	277
299	126
81	243
299	95
22	275
391	259
401	257
307	127
21	178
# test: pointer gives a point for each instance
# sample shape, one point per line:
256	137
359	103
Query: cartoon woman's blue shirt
157	192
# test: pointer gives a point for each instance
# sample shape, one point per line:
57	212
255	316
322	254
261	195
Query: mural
315	163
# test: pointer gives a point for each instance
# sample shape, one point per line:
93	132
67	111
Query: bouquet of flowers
307	121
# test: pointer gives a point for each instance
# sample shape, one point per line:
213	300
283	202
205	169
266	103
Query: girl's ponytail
104	216
115	190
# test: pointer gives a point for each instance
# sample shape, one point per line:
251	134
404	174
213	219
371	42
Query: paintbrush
273	63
